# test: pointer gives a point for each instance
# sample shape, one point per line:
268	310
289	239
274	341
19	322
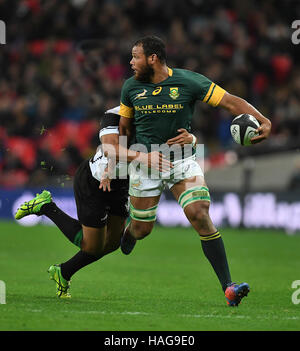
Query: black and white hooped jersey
109	125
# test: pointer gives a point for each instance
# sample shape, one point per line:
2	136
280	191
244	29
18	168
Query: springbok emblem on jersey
141	95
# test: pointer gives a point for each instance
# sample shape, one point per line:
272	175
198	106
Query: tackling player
158	101
101	215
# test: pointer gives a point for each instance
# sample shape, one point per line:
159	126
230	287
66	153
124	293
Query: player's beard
145	74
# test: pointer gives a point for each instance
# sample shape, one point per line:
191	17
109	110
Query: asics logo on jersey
157	91
141	95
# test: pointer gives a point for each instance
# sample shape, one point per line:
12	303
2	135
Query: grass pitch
165	284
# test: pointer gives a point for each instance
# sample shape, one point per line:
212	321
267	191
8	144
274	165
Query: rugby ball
243	129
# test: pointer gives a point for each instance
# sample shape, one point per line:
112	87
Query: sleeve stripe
207	101
126	111
209	92
214	95
217	96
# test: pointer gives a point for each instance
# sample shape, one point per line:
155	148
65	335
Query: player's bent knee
195	202
94	250
142	221
93	241
198	212
111	247
141	229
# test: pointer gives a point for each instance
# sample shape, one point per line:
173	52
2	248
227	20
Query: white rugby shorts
144	182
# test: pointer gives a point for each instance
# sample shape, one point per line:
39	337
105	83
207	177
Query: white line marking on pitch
179	315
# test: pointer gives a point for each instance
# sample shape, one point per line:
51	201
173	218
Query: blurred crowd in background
53	96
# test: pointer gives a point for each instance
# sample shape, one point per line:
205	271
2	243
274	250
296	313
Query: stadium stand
52	97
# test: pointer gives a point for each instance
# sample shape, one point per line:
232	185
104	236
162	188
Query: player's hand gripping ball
243	129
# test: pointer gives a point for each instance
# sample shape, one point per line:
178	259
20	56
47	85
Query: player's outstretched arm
236	106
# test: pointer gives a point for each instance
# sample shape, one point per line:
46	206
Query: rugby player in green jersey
158	101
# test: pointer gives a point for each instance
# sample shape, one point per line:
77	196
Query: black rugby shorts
93	204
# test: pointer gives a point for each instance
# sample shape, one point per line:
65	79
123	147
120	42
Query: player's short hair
153	45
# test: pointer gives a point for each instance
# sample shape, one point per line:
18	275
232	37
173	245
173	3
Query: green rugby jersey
159	110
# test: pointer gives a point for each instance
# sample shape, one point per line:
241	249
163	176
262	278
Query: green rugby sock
214	250
70	227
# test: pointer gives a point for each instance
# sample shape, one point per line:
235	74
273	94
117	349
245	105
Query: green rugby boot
62	285
34	206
